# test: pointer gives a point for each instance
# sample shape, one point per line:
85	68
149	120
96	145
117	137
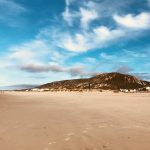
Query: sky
48	40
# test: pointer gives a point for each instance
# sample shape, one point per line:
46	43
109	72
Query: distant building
40	90
128	90
124	90
148	89
133	90
35	89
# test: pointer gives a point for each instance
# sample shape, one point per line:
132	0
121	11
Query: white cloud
10	12
68	2
34	51
68	15
124	69
142	76
135	54
76	70
104	34
81	72
140	21
74	44
35	56
3	79
12	6
106	56
38	68
90	40
87	16
90	60
91	37
29	51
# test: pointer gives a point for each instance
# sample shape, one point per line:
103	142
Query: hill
108	81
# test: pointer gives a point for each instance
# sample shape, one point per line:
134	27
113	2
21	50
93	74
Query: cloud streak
87	16
36	68
75	71
10	12
124	70
91	37
97	38
140	21
12	6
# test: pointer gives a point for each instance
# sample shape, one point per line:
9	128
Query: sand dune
74	121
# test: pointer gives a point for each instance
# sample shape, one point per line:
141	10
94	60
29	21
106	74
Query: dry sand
74	121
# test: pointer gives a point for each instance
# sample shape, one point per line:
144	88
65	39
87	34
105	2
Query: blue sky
43	41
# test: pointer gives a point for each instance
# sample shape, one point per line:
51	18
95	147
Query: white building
35	89
39	90
148	89
124	90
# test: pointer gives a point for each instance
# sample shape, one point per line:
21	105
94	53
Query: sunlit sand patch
102	126
133	127
67	139
54	142
70	134
138	126
106	126
111	125
49	143
88	128
15	127
84	131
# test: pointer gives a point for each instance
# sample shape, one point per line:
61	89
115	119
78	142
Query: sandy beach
74	121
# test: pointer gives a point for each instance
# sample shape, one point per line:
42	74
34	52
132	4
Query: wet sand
74	121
